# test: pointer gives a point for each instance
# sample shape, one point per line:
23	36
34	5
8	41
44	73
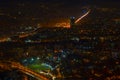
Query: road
14	65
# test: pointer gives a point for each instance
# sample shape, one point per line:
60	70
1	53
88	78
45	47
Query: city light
43	40
63	24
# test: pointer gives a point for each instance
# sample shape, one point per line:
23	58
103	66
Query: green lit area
38	67
36	64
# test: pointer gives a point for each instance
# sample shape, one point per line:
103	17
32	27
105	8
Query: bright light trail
82	17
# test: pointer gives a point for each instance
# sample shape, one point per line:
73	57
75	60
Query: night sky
62	3
71	2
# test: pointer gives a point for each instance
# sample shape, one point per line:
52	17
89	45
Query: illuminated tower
72	21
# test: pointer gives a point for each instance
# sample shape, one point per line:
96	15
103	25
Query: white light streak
82	17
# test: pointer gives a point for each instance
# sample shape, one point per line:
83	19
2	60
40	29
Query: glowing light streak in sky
82	17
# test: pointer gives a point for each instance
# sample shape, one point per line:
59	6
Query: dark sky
65	1
7	3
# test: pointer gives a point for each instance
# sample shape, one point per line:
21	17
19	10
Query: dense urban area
87	48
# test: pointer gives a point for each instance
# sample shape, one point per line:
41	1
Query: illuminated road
53	76
20	36
7	15
18	66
